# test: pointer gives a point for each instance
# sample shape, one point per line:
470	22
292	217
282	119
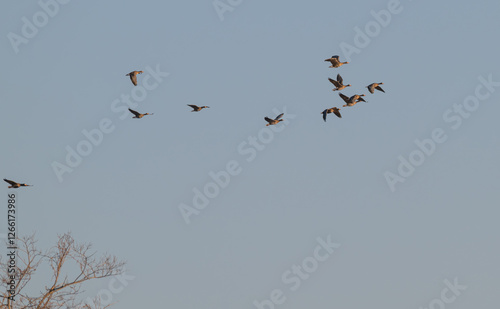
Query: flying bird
334	110
339	83
352	100
335	62
374	86
274	121
14	184
133	76
197	108
357	98
138	115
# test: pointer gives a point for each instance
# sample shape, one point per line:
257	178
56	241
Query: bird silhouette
334	110
351	101
335	62
14	184
133	76
138	115
339	83
197	108
374	86
274	121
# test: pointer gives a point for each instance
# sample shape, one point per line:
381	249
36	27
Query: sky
392	206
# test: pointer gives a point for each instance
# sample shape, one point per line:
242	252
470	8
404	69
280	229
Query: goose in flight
352	100
14	184
335	62
374	86
274	121
197	108
339	83
133	76
138	115
334	110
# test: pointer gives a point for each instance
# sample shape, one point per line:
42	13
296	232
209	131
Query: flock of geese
338	83
133	79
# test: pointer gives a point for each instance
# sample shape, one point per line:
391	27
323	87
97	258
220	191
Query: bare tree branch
65	286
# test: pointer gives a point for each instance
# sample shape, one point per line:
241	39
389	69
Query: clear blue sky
313	179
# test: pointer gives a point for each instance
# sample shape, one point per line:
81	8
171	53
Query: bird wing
134	112
10	182
324	114
268	119
279	116
335	57
193	106
337	112
339	79
344	97
133	78
360	100
336	83
380	89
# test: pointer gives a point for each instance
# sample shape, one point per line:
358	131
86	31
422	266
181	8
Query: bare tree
71	264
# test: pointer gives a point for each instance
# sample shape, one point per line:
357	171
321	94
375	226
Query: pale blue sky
312	180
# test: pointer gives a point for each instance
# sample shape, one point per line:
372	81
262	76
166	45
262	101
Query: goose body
334	60
351	101
374	86
334	110
15	185
137	114
133	76
197	108
339	83
274	121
